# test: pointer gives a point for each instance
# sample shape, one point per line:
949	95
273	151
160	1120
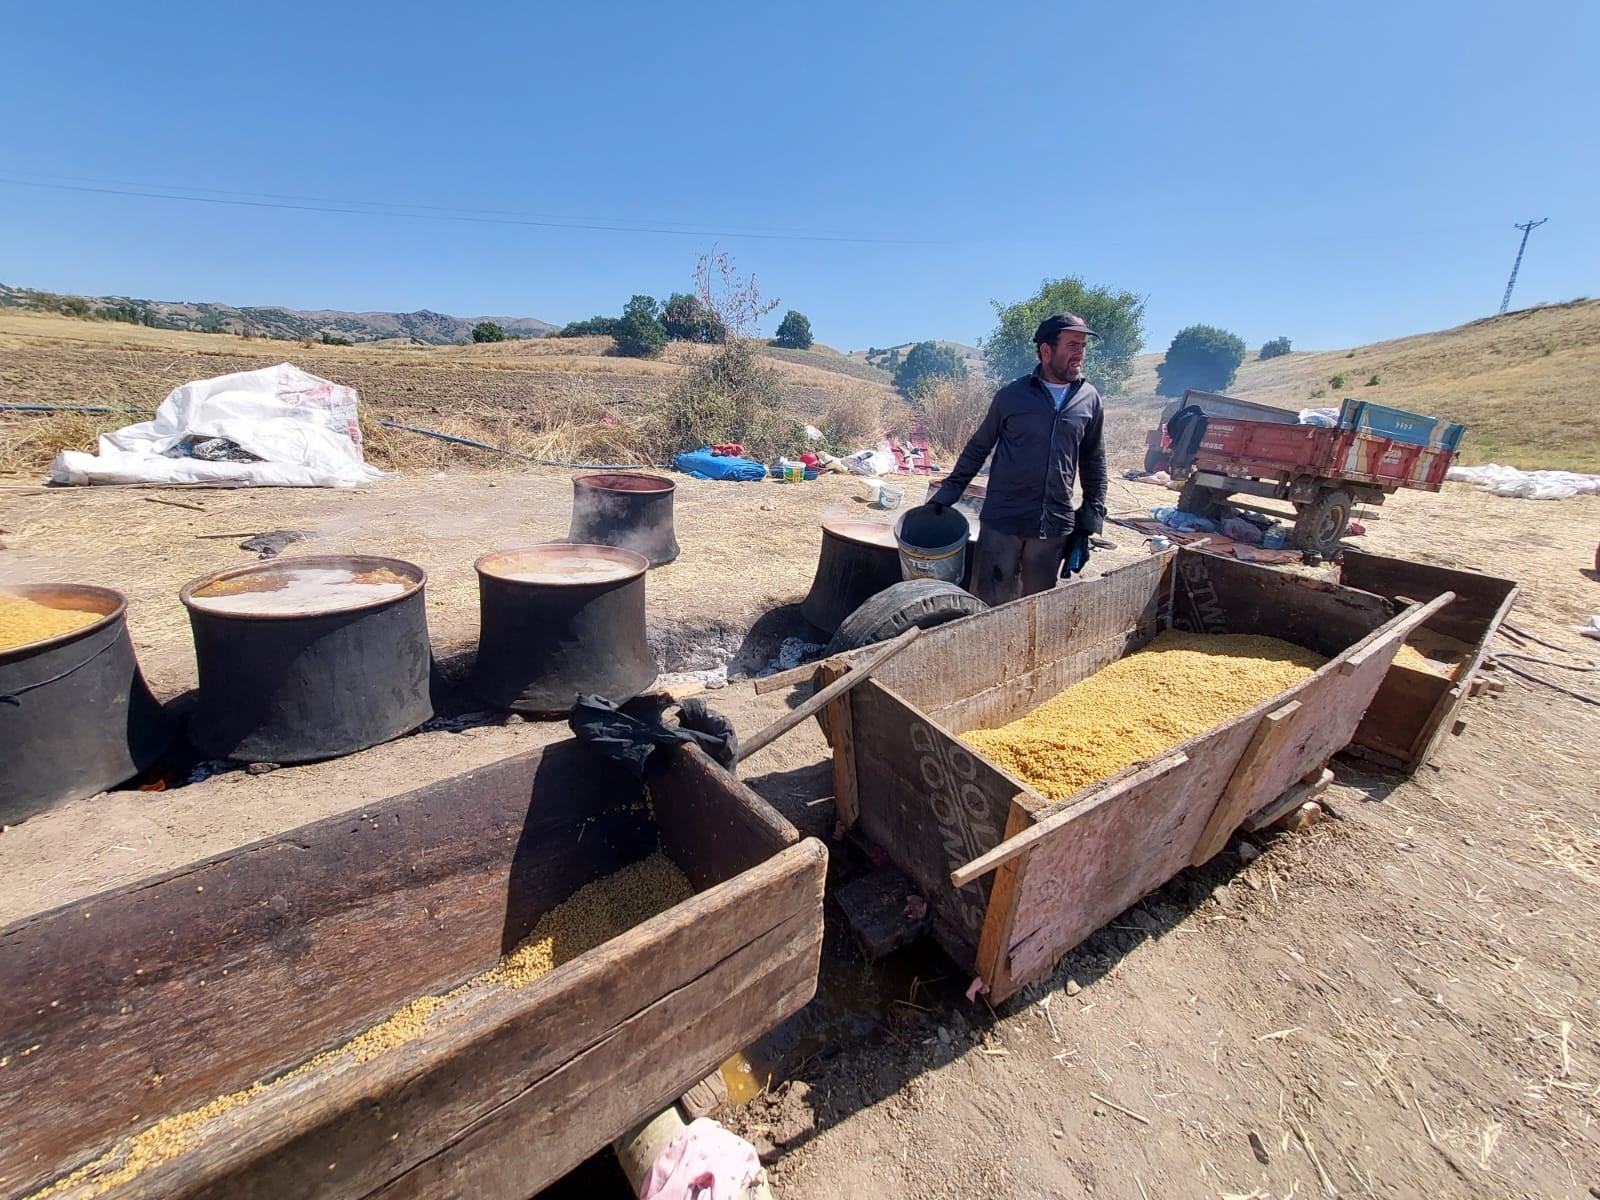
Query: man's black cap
1061	323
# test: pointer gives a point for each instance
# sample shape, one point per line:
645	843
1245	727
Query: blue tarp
702	464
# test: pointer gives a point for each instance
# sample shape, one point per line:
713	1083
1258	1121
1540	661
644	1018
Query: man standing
1044	429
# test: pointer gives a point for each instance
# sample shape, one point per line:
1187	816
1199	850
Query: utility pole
1512	282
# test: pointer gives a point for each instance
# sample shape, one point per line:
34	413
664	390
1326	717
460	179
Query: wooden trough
152	999
1415	708
1013	880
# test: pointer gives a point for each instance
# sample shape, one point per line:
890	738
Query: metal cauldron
559	619
75	715
858	560
295	665
628	510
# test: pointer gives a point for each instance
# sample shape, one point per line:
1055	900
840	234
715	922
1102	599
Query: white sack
302	427
1526	485
870	462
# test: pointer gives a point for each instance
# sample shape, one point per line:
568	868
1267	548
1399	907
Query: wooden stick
1012	847
209	537
837	688
1127	1112
1395	633
176	503
1316	1162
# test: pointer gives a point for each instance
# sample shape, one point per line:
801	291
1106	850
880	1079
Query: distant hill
288	324
880	356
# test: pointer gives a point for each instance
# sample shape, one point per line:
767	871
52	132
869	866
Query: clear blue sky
1334	173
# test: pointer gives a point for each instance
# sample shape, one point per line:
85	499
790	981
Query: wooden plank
497	1103
1221	595
1013	847
1399	713
712	825
1480	599
994	959
1108	854
844	683
929	801
198	982
1242	793
1388	642
841	736
1289	801
1001	648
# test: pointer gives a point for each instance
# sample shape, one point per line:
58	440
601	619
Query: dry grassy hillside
559	398
1523	384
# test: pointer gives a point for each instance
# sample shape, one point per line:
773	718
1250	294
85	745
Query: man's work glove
1075	554
1087	519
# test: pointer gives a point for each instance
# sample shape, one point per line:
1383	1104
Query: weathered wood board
934	804
1413	709
154	998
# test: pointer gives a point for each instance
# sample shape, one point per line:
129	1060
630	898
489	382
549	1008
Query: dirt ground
1399	1003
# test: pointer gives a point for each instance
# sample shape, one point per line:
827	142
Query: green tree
594	325
1201	357
686	319
1276	348
925	362
640	333
75	306
794	331
1118	317
488	331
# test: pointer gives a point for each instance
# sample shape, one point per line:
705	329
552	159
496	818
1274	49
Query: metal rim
31	591
362	562
637	563
608	481
863	533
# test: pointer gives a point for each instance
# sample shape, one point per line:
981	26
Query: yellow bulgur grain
23	621
593	914
1178	686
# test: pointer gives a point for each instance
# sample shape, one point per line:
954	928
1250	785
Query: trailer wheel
1322	523
920	602
1201	501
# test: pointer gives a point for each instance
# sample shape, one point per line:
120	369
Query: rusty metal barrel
309	658
628	510
858	560
76	716
558	619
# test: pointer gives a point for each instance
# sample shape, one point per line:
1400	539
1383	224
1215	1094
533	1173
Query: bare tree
736	302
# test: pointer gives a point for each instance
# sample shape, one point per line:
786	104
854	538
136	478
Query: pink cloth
704	1162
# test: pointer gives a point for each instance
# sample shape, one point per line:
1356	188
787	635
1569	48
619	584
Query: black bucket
627	510
559	619
857	561
289	675
75	715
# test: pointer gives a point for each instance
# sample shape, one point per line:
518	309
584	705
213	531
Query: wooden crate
151	999
935	806
1413	708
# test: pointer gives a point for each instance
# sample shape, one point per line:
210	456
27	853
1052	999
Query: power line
343	207
1512	282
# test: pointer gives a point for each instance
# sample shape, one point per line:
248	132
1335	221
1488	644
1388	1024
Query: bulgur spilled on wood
1180	685
24	621
595	913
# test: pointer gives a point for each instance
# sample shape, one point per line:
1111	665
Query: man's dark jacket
1038	452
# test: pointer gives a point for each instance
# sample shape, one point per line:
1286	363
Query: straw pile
1180	685
594	914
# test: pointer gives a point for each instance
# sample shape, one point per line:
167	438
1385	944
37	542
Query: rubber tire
1322	523
920	602
1201	501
